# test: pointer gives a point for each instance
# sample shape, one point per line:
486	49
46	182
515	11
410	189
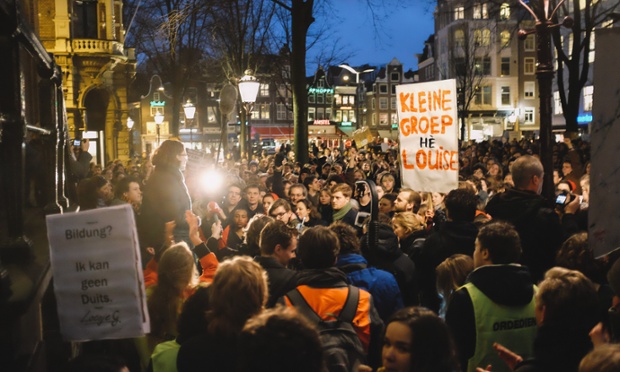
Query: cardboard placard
98	278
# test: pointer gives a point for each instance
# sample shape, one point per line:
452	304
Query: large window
483	66
505	66
320	113
557	103
393	103
311	98
85	20
281	111
482	37
528	115
505	96
383	103
311	113
383	88
504	12
319	98
529	66
588	91
383	119
529	88
483	95
265	111
459	39
530	43
459	12
505	38
480	11
264	90
394	76
328	113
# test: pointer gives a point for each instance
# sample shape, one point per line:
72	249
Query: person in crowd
268	200
456	235
563	297
386	204
451	275
407	200
411	232
232	200
233	235
165	196
325	205
417	340
533	216
94	192
253	200
388	182
128	191
308	215
324	288
605	358
379	283
313	185
363	198
297	192
239	292
278	246
251	246
381	192
278	340
497	304
281	211
341	204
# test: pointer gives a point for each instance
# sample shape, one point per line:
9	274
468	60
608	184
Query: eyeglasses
277	215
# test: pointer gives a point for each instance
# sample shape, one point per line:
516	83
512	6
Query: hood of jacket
509	285
323	278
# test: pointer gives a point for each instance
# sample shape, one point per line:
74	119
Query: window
504	12
281	111
374	119
328	113
264	90
311	113
529	115
85	20
382	88
282	90
592	42
311	98
459	12
394	118
383	103
393	103
482	95
383	119
505	38
319	98
483	66
459	39
374	105
286	72
156	96
505	96
528	89
557	103
395	76
351	115
394	88
157	109
505	66
212	114
480	11
587	97
529	66
338	115
265	111
530	43
255	114
482	37
338	99
320	113
329	97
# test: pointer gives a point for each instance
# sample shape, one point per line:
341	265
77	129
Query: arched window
505	38
504	11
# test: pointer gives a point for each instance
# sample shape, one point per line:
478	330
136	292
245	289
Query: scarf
339	214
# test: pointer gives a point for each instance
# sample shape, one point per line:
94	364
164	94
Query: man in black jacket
278	245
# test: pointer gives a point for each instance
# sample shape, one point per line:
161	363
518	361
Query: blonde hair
452	273
238	292
410	221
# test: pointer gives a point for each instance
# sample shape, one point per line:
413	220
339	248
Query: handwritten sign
362	137
98	280
428	134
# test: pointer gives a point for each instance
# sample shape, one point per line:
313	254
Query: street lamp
159	120
248	88
190	111
130	124
357	89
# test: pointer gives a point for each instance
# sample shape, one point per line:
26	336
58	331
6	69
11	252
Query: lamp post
190	111
159	120
358	89
130	124
544	74
248	89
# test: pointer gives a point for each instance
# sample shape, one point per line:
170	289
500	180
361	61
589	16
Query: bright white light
211	181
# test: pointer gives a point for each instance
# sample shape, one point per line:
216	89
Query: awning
391	134
273	132
337	134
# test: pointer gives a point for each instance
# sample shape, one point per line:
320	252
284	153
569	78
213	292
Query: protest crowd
286	267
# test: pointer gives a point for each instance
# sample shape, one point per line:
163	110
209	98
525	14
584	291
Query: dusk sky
401	34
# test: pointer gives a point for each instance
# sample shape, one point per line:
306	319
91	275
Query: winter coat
280	279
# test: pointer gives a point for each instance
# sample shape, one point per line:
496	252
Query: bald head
527	173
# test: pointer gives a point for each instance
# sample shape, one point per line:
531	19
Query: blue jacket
381	284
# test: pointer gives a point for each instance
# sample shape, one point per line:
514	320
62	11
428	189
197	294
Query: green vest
164	357
513	327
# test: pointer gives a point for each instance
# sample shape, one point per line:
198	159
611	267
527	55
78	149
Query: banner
98	280
428	135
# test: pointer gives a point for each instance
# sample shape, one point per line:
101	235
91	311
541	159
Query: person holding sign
165	196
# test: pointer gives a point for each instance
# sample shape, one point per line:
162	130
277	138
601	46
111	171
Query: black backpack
342	348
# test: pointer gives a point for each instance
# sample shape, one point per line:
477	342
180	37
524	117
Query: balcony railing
95	46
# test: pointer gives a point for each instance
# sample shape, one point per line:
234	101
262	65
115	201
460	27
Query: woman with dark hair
308	215
165	196
417	340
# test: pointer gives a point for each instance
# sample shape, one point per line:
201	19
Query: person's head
267	201
461	205
238	292
527	173
170	153
281	210
380	191
318	248
341	195
407	200
567	168
406	223
556	176
386	203
438	199
252	235
312	184
574	254
305	210
278	241
479	171
495	171
584	182
240	216
415	339
604	358
347	237
325	196
277	339
128	189
508	181
497	243
297	192
176	268
388	182
103	189
252	194
564	296
452	273
234	195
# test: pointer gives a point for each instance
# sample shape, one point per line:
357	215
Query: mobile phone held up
77	142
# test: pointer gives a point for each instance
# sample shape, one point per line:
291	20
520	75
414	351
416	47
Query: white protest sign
428	135
196	161
98	280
